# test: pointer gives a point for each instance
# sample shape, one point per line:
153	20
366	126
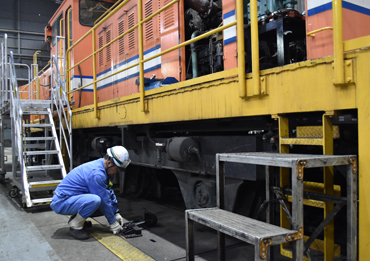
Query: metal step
38	138
41	201
43	167
44	184
35	104
41	152
34	146
301	141
240	227
35	112
35	125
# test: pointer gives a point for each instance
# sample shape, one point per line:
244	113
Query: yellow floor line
116	244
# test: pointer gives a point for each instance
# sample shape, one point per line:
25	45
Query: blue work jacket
90	178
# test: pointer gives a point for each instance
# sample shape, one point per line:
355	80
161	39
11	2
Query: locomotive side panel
355	13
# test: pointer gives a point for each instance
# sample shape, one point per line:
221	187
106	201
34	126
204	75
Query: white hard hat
120	157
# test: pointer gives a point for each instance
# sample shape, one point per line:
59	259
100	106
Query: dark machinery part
184	149
100	144
131	229
282	38
205	8
205	56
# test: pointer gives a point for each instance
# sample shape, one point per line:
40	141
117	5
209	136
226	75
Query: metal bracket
263	85
264	243
353	161
300	165
295	236
348	71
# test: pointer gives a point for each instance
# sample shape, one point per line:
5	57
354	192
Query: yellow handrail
139	25
43	69
68	56
141	55
338	42
61	34
240	39
311	34
165	52
255	49
35	76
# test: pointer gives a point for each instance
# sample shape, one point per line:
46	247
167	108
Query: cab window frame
56	29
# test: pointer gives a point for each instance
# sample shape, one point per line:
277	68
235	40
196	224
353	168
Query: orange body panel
321	44
160	33
230	44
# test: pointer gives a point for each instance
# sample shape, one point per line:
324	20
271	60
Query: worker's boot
86	224
76	227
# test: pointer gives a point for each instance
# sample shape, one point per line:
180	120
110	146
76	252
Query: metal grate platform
262	234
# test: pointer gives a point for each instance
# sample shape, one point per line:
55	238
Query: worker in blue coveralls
86	189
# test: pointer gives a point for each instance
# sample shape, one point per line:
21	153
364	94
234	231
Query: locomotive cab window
91	10
56	29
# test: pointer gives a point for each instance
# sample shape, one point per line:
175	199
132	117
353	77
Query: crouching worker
86	189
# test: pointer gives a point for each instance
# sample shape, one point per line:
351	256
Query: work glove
115	227
119	219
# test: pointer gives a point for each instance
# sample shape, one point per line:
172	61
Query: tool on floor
131	229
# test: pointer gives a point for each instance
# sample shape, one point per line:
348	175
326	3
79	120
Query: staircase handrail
5	92
60	100
16	108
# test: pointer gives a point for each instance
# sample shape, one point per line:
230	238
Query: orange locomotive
178	150
180	21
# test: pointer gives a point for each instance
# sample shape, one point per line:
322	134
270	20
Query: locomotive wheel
14	192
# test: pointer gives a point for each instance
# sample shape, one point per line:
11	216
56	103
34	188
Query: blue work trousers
83	204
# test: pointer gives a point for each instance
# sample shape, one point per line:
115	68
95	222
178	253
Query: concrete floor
40	234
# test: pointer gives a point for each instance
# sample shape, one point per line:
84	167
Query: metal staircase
323	195
35	141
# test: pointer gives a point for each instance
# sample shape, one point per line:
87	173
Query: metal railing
4	90
60	100
16	118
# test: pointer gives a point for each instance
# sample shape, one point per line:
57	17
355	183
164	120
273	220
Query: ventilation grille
148	26
101	52
109	47
121	41
131	35
168	16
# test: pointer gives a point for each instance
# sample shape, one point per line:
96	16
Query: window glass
56	29
91	10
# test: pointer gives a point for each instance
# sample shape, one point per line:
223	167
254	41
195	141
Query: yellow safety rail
338	42
139	25
68	55
37	91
